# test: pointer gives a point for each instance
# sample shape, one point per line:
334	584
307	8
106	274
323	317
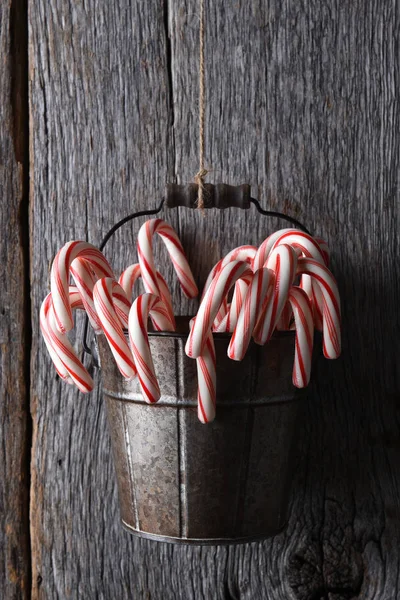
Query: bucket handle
218	196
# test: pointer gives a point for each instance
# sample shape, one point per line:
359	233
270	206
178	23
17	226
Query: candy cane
60	275
106	294
258	294
128	279
303	241
60	348
245	253
206	365
264	250
324	249
210	304
225	319
284	321
316	295
176	253
304	324
331	304
76	302
290	237
310	248
229	320
84	279
283	261
143	307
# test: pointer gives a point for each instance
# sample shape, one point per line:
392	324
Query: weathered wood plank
292	110
14	328
100	148
302	104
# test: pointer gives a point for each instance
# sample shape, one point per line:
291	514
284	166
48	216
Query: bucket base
200	541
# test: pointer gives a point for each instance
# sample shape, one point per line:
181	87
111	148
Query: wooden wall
303	104
15	421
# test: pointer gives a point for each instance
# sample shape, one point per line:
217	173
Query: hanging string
202	172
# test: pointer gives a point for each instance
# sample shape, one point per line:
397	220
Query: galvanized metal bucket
224	482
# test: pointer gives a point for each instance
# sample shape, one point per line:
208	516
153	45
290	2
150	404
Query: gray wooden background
303	103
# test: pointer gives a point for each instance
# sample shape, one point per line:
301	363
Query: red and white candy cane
176	253
304	325
324	249
76	302
229	320
107	294
206	365
210	304
310	248
225	319
85	278
258	295
245	253
60	278
67	364
264	250
283	261
143	307
315	291
331	304
305	242
128	279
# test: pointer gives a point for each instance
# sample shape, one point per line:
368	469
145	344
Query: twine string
202	172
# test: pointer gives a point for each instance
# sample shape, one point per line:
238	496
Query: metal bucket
224	482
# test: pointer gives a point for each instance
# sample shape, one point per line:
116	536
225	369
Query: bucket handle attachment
218	196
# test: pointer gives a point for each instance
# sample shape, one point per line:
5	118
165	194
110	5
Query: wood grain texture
14	329
302	103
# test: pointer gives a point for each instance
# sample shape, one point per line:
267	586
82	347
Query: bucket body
224	482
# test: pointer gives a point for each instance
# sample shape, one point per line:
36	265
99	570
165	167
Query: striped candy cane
324	249
331	304
60	278
207	380
245	253
128	279
310	248
210	304
304	324
67	364
176	253
107	295
264	250
301	240
84	279
316	295
226	317
76	302
229	320
285	319
302	244
258	295
143	307
283	261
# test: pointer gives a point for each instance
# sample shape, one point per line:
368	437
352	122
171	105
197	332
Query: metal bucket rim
206	541
217	335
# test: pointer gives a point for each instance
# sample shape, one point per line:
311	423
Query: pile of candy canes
283	284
